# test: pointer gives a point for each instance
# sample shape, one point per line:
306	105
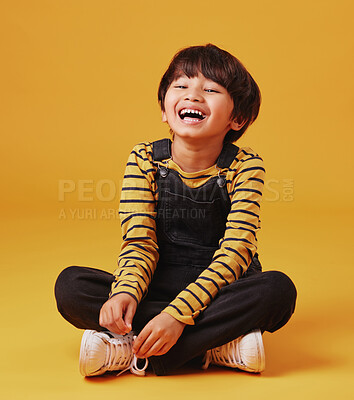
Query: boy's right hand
117	313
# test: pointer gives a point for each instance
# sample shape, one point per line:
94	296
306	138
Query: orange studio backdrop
78	89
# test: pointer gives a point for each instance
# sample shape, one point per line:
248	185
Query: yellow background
78	83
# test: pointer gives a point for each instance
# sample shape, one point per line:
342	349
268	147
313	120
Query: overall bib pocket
190	221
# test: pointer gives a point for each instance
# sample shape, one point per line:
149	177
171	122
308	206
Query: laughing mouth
189	113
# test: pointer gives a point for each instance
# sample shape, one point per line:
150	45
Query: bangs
209	65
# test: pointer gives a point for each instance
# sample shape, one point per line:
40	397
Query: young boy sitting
189	283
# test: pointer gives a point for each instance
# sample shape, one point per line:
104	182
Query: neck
194	157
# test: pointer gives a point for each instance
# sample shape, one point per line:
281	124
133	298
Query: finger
101	319
118	321
104	320
154	349
140	339
148	344
110	323
163	350
128	318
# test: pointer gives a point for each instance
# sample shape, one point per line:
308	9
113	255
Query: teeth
187	110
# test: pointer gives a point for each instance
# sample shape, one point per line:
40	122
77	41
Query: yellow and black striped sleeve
245	181
137	210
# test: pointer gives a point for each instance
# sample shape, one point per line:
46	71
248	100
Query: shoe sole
261	354
86	338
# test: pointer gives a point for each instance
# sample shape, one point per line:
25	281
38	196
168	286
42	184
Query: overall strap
227	155
161	149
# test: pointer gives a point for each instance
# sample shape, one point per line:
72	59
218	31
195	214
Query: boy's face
199	108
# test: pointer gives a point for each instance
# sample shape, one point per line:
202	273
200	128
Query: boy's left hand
158	336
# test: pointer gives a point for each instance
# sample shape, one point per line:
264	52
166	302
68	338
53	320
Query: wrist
173	319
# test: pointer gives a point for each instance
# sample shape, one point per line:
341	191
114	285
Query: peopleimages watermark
87	189
278	190
84	191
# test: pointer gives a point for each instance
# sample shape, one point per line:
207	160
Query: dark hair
223	68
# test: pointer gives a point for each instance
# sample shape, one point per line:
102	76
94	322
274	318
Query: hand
117	313
158	336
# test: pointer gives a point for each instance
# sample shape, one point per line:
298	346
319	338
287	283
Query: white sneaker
245	352
107	351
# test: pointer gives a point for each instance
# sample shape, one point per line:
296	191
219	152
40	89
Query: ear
236	126
164	117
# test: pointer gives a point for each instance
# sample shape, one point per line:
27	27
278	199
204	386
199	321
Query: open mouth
188	113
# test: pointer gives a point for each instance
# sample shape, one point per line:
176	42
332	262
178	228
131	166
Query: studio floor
310	358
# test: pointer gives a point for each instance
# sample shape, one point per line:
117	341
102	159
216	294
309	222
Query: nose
193	94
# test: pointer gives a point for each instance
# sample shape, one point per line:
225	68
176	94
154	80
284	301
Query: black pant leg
80	293
263	301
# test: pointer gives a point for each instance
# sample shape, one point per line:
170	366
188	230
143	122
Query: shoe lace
120	355
206	360
133	367
228	353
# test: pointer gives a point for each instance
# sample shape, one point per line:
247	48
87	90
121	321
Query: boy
189	282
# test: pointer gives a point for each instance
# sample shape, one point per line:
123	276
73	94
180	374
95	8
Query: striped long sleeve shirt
139	251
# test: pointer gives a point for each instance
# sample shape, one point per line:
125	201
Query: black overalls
190	222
